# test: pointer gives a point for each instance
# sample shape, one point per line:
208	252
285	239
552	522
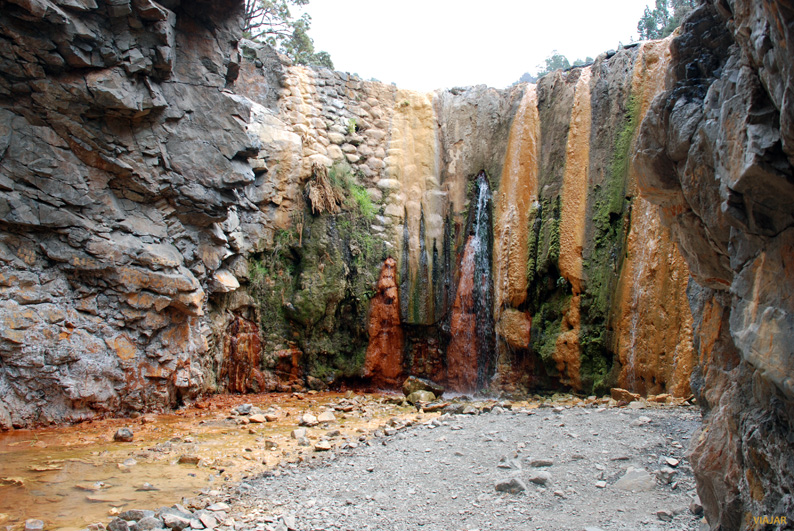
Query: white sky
429	44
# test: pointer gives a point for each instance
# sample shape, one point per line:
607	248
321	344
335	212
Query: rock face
716	151
159	238
384	361
121	155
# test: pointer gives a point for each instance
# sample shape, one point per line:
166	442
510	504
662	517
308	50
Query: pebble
34	525
327	416
636	479
695	507
218	507
541	478
123	435
189	460
601	484
664	515
323	446
538	463
511	486
309	420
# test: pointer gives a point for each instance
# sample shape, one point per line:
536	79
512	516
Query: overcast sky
429	44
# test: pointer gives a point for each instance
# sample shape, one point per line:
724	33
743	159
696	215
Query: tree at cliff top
271	21
556	61
662	21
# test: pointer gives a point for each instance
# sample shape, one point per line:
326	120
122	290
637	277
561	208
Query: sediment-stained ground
564	464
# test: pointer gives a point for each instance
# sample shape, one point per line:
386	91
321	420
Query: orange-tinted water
76	475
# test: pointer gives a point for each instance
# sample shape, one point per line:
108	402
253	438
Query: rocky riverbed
560	463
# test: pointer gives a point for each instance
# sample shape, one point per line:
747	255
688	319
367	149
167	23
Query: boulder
123	435
622	395
421	396
413	383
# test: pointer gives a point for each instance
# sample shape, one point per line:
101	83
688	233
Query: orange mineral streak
384	358
574	185
572	227
242	357
513	203
462	349
654	321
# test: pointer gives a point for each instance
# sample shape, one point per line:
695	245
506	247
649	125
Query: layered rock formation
182	212
717	149
121	154
161	193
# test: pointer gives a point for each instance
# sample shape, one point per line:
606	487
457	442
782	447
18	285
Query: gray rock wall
121	151
717	152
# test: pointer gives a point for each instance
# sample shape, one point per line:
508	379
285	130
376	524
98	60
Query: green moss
313	289
546	324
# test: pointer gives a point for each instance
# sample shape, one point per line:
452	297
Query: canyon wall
122	153
185	212
716	153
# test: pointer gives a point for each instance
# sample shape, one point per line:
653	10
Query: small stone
117	524
208	520
290	521
538	463
174	521
665	475
323	446
189	460
326	416
257	419
509	463
271	417
622	395
413	383
308	420
601	484
218	507
149	522
135	514
298	433
695	507
123	435
672	462
511	486
421	396
34	525
243	409
637	479
641	421
270	445
664	515
147	487
541	478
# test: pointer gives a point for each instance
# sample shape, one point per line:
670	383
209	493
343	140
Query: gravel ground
441	475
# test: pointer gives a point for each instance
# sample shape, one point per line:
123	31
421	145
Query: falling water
470	355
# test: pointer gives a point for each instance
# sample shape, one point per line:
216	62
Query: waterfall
470	354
